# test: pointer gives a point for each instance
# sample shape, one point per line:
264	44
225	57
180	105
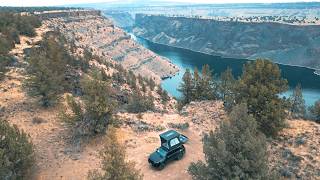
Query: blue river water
184	59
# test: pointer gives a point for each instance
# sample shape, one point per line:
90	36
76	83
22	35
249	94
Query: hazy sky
62	2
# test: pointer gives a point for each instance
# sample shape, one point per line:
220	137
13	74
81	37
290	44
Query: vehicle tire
180	155
161	166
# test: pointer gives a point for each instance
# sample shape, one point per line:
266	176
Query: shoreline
316	71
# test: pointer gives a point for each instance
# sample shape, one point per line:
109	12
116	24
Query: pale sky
63	2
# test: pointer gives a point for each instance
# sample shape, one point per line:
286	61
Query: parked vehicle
171	148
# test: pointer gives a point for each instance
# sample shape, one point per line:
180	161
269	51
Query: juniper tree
16	152
259	86
4	63
226	89
163	95
139	103
143	87
197	91
46	70
298	107
315	110
186	87
151	83
237	150
208	84
95	110
114	163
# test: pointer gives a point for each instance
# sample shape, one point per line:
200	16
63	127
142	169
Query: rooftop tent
167	136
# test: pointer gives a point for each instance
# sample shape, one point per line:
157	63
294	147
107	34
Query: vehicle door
174	150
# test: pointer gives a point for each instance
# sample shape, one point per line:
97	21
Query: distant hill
283	43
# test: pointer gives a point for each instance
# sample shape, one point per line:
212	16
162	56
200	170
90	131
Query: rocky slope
101	37
283	43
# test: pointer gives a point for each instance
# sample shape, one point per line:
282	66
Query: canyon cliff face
91	31
283	43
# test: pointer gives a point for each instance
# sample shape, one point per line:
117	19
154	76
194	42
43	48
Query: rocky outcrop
287	44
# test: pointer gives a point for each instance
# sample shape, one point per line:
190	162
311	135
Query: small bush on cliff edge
16	152
114	165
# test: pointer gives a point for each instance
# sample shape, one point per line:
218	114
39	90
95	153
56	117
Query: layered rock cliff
287	44
91	31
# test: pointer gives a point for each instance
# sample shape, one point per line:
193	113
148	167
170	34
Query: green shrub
16	152
297	103
47	70
181	126
315	110
114	164
93	112
139	103
259	87
237	150
4	62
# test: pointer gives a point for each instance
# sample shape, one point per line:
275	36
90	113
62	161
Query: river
184	59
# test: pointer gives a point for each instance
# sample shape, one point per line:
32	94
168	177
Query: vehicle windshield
162	152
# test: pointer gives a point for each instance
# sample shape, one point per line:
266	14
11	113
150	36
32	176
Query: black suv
171	149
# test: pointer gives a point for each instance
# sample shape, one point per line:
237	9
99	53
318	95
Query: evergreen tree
16	152
259	87
47	67
163	95
132	81
139	103
186	87
237	150
226	89
143	87
114	165
94	112
197	84
208	85
4	63
315	110
298	107
151	83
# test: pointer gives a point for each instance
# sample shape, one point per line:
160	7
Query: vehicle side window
174	142
165	145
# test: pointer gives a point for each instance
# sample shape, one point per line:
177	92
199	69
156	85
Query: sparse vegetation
11	26
237	150
180	126
16	152
114	164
